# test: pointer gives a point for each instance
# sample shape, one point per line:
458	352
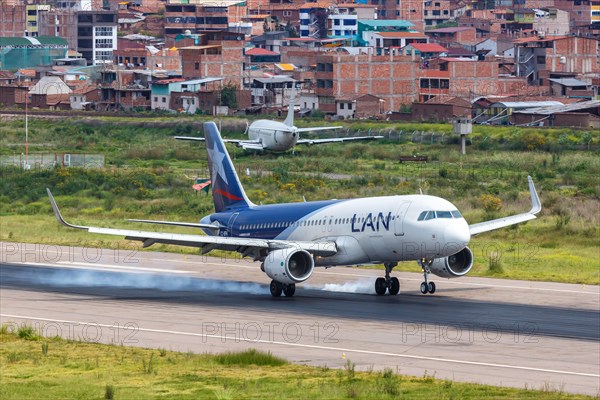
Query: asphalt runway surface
508	333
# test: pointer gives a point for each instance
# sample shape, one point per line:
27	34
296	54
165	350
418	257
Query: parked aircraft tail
227	189
289	120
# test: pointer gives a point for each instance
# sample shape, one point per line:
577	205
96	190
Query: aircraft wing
245	144
246	246
322	128
310	142
536	207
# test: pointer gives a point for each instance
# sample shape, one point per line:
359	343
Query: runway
491	331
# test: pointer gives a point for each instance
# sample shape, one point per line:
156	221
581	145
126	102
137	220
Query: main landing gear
389	284
277	288
426	286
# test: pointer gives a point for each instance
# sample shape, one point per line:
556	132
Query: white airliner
276	136
291	239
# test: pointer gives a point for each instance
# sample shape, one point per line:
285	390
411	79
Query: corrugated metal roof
275	79
526	104
562	108
25	41
569	81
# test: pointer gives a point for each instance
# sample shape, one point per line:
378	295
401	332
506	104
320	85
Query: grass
94	371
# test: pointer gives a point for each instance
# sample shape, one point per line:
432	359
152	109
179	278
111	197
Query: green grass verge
34	367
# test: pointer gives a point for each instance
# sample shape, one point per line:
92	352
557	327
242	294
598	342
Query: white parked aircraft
265	134
291	239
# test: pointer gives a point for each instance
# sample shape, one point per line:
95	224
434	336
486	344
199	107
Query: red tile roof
257	51
428	47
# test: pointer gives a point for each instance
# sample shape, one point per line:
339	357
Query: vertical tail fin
227	189
289	120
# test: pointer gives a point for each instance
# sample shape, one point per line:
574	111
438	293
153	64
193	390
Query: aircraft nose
458	234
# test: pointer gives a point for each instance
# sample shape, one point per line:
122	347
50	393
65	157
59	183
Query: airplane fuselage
367	230
273	135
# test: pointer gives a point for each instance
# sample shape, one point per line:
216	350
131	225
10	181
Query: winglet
536	204
59	216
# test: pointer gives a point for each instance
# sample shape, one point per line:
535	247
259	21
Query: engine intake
289	265
453	266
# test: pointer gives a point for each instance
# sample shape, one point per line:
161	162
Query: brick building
538	58
219	58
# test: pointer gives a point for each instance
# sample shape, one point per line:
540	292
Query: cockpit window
427	215
456	214
443	214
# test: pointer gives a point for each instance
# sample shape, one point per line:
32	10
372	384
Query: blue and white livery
292	239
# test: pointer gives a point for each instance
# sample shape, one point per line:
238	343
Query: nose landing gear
389	284
426	286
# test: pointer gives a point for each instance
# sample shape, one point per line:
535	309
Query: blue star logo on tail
218	167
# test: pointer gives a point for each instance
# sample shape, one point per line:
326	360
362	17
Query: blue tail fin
227	190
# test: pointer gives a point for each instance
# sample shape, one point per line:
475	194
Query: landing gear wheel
394	287
276	288
427	287
431	287
380	286
289	290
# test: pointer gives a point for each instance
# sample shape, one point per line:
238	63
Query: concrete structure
552	21
97	36
202	15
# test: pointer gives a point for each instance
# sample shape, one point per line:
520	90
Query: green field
147	175
52	368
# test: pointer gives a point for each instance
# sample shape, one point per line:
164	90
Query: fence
50	160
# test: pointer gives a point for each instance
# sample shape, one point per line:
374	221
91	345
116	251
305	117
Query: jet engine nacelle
453	266
289	265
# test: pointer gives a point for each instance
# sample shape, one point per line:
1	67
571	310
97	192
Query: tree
229	95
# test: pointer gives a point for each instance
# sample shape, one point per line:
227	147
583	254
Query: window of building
341	106
196	65
156	99
104	43
104	31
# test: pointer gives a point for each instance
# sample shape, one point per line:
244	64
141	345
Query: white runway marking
309	346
